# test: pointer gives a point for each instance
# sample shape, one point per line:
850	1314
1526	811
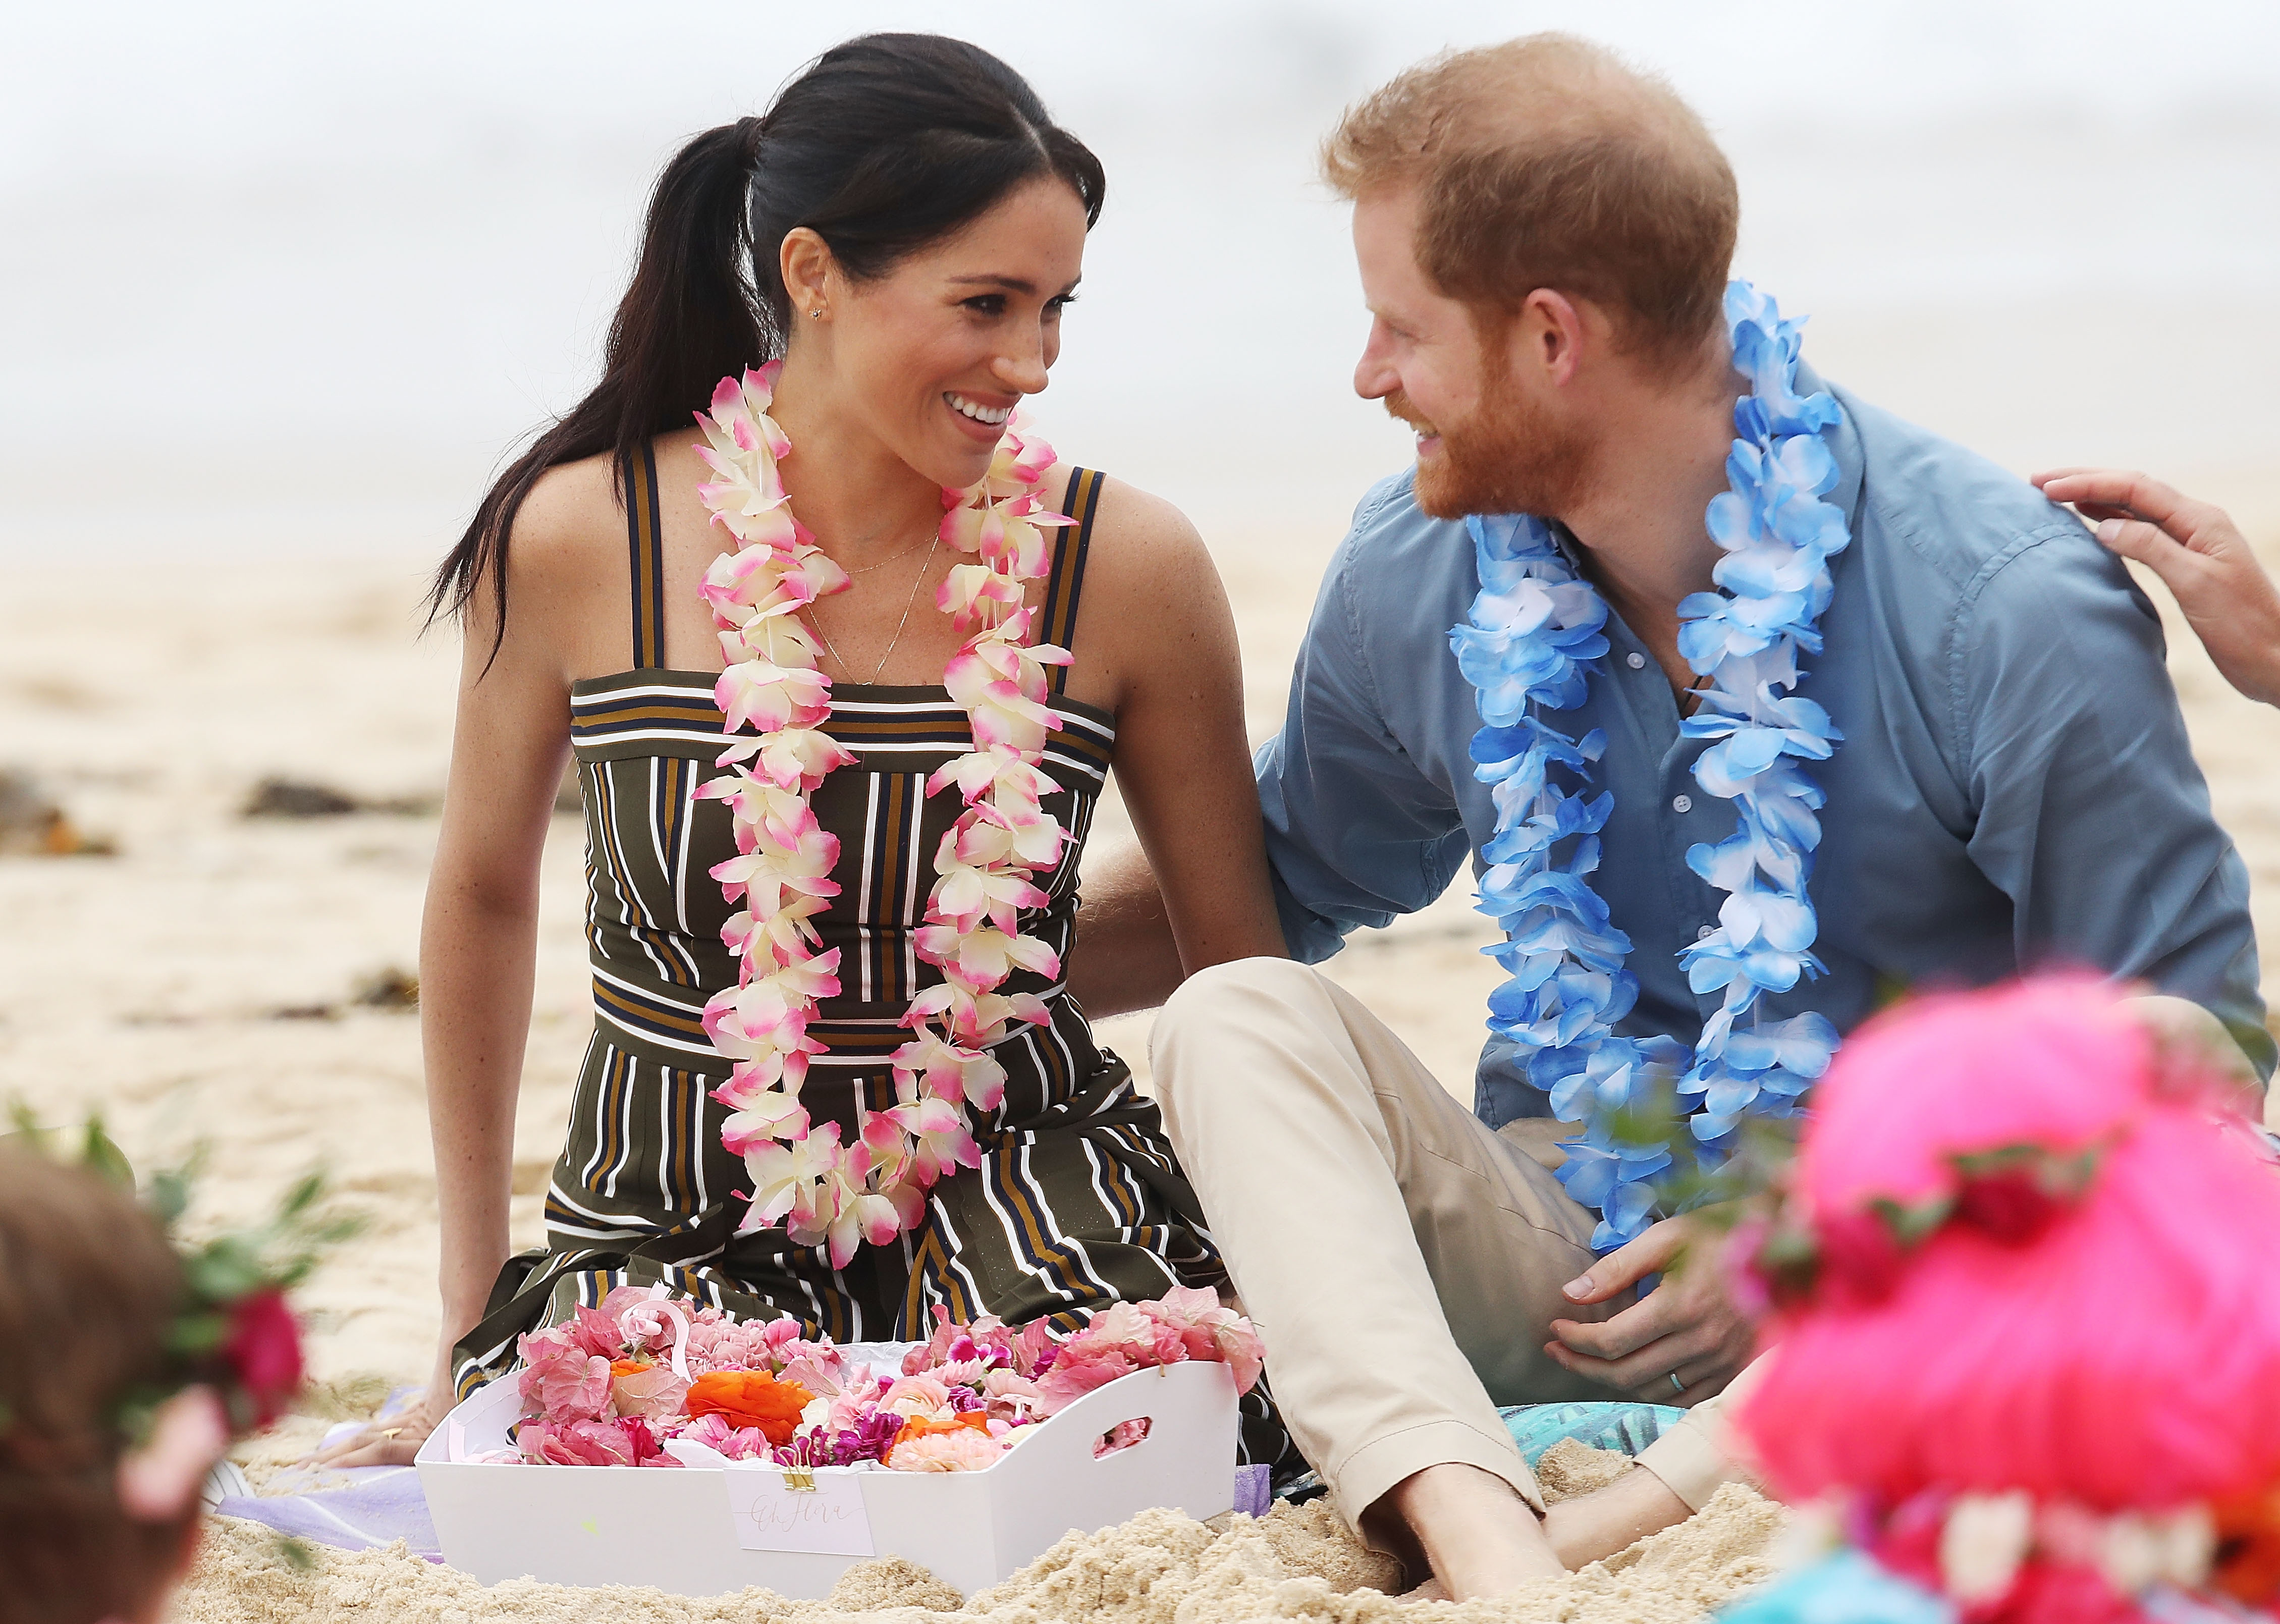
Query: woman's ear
805	261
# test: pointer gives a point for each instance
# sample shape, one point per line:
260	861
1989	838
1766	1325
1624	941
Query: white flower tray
705	1530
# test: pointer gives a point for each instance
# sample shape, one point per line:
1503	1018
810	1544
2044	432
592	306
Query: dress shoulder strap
1066	584
644	545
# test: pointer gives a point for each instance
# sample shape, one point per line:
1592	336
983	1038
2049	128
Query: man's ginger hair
1548	162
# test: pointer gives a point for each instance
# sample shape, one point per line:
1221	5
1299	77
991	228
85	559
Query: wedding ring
391	1432
1676	1386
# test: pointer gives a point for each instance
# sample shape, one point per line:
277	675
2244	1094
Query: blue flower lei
1531	642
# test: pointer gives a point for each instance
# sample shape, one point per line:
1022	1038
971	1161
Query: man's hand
1686	1328
2200	555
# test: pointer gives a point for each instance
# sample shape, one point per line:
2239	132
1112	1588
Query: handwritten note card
828	1520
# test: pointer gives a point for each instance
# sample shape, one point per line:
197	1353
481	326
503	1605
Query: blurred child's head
2040	1260
99	1463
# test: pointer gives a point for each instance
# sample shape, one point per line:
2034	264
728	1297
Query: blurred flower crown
232	1352
2011	1195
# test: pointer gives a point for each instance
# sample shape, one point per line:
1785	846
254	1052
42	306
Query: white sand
1159	1568
143	985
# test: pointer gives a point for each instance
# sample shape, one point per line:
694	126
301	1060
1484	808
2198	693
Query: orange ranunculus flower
628	1367
919	1427
749	1398
2247	1565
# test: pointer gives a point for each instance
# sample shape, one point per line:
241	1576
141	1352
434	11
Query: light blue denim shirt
2014	788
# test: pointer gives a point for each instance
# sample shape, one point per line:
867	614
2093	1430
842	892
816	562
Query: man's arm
2092	816
1125	958
1356	832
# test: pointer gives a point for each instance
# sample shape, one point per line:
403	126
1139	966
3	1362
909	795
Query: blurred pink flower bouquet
613	1385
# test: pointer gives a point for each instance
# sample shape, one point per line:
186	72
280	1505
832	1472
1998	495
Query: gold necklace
882	562
816	619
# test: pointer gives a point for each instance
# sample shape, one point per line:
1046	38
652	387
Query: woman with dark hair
900	232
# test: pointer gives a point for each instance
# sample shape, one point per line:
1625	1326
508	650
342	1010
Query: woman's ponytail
689	319
880	146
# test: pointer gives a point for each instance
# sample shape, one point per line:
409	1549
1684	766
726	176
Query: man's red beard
1507	457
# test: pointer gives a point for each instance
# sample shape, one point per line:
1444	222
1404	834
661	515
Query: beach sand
198	988
1297	1563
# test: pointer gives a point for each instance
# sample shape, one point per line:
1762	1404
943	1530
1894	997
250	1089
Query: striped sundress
1078	1201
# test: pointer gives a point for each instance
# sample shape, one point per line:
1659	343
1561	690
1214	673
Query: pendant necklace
816	620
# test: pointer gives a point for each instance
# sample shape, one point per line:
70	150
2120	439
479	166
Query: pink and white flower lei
820	1190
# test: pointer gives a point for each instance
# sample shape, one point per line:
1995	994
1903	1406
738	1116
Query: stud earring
816	314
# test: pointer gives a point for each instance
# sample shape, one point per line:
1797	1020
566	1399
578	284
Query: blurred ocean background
285	279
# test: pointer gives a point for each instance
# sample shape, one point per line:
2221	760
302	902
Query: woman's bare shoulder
1139	537
570	523
1151	593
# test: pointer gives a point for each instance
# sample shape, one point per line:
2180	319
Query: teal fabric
1848	1587
1625	1428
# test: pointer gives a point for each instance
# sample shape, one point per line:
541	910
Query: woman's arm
478	946
1156	614
478	941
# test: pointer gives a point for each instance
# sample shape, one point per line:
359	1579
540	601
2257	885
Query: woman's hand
2200	555
395	1441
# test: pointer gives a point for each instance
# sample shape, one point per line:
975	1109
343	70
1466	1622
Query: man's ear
1546	338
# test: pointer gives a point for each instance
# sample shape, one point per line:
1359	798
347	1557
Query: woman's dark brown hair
882	146
90	1290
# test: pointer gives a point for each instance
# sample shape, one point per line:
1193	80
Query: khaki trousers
1401	1259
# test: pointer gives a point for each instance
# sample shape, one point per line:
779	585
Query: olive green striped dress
1078	1201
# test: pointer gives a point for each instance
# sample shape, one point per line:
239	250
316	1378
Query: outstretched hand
392	1441
2200	555
1687	1327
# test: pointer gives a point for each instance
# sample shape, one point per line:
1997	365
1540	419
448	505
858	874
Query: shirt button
1635	661
1682	803
1703	933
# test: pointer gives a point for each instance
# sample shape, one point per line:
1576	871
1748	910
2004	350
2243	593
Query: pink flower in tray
654	1393
1211	1330
592	1331
1035	1348
926	1395
1080	1370
960	1373
1124	1435
736	1442
561	1382
717	1344
650	1323
1132	1330
962	1451
590	1443
1013	1398
817	1366
858	1398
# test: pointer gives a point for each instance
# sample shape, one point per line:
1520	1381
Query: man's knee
1208	994
1239	1000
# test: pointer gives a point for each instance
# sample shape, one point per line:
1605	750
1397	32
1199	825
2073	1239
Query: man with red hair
1544	238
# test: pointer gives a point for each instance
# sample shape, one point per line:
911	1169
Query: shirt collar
1844	442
